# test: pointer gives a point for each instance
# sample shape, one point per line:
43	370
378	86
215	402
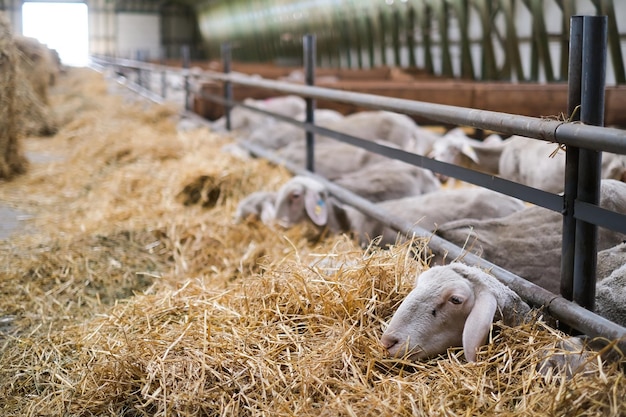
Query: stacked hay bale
39	64
12	162
38	71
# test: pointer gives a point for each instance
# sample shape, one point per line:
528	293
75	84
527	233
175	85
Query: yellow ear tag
319	207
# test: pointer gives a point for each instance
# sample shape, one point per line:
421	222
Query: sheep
388	180
396	128
456	148
450	306
611	286
244	119
332	159
427	210
304	198
454	306
431	210
259	205
528	162
280	134
532	233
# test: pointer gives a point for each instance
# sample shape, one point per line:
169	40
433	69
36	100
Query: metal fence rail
574	135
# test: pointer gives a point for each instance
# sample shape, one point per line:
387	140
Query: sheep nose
389	341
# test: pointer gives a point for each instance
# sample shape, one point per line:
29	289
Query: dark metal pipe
607	139
589	175
228	87
186	62
570	188
309	70
163	74
570	134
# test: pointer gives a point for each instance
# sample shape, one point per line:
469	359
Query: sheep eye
434	313
455	300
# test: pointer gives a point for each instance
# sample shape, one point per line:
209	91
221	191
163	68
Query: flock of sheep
455	304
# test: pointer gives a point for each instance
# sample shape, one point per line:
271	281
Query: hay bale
39	65
12	161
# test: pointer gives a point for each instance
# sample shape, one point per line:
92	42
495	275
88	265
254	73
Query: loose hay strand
133	293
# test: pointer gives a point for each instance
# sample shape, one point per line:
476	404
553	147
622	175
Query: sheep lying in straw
455	147
259	205
450	306
533	233
611	285
244	119
389	127
280	134
528	161
305	199
455	305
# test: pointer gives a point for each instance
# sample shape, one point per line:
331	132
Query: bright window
61	26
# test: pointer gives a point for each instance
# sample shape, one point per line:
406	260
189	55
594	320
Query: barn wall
138	33
516	40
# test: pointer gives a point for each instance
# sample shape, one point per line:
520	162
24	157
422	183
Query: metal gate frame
584	139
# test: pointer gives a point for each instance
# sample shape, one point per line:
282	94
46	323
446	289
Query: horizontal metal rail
567	133
574	134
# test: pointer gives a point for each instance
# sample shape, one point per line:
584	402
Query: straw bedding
130	292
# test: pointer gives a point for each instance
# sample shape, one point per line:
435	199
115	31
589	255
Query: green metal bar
446	60
369	33
462	12
568	7
511	41
488	62
425	24
410	35
607	8
382	29
395	32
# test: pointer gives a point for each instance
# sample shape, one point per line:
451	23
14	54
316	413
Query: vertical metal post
570	188
139	57
186	59
163	74
228	87
592	112
309	71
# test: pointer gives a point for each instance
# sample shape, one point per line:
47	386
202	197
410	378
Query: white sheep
244	119
431	210
532	233
396	128
389	180
303	198
259	205
611	286
455	305
528	161
450	306
280	134
332	159
455	147
427	210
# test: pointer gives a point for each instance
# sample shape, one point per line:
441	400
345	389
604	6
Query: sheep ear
316	207
478	323
468	151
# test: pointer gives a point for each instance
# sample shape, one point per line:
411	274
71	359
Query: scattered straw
131	292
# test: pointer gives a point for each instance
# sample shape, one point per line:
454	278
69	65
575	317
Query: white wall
138	32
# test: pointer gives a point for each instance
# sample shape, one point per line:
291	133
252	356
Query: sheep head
301	198
450	306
